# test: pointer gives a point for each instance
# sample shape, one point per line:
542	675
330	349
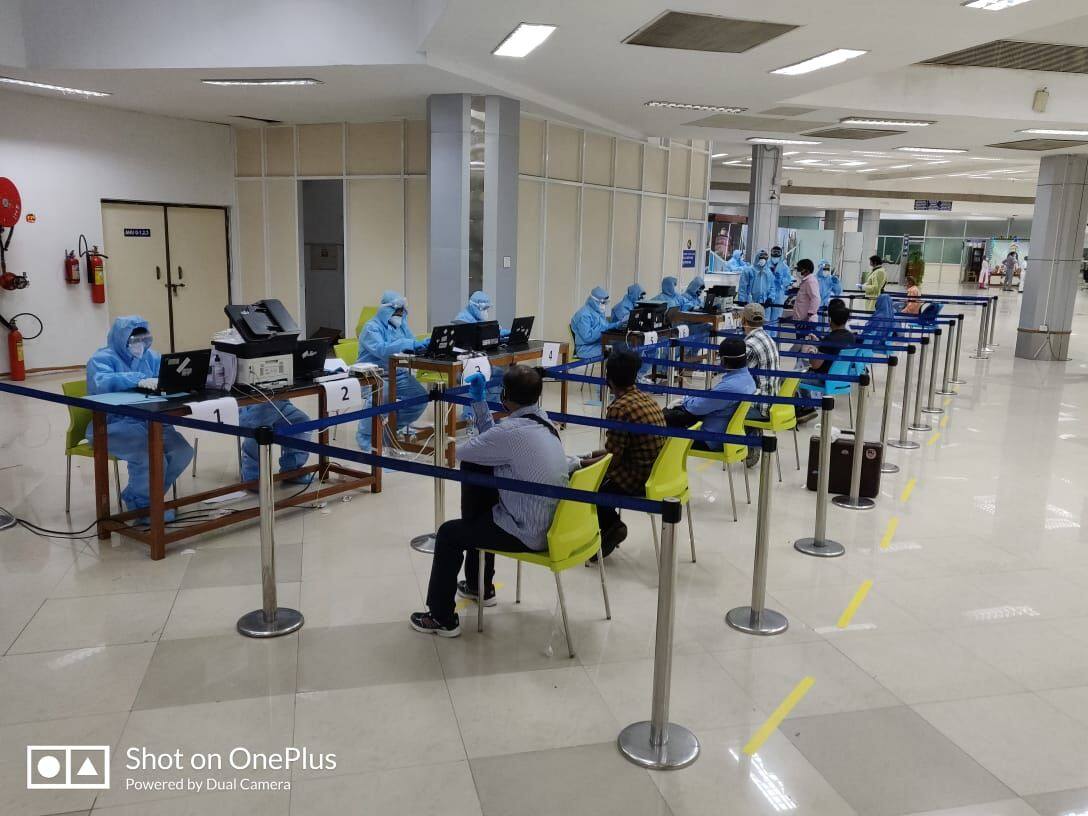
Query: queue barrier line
777	373
770	725
902	295
783	336
725	396
855	603
351	416
879	360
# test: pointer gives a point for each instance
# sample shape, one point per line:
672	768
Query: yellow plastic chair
781	418
365	315
731	454
669	479
75	440
573	538
429	376
347	350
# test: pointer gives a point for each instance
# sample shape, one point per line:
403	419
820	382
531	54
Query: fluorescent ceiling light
920	178
821	152
661	103
869	170
899	167
931	150
986	158
267	82
769	141
523	40
835	57
939	161
791	152
26	83
718	155
1048	132
993	5
860	120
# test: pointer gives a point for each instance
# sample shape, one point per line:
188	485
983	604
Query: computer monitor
719	298
520	330
183	372
310	358
485	335
444	341
648	315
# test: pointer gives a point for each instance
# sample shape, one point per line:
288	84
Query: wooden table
452	370
157	537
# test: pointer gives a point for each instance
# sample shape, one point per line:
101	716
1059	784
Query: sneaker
752	459
429	625
470	593
806	415
610	540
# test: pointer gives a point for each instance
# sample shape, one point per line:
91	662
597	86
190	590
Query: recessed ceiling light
770	141
899	167
718	155
523	39
269	82
993	5
835	57
859	120
791	153
931	150
869	170
661	103
26	83
920	178
938	161
1048	132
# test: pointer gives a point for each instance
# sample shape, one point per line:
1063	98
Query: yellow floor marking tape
908	490
702	467
780	713
947	401
933	440
852	607
944	422
893	525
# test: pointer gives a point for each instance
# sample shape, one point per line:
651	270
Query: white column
764	197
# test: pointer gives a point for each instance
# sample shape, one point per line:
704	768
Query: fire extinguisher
96	268
16	358
71	267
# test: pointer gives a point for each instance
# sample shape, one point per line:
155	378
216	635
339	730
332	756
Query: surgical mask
139	344
761	262
776	255
395	321
484	310
600	305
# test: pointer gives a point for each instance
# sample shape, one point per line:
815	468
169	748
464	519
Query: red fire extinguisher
16	358
96	269
71	267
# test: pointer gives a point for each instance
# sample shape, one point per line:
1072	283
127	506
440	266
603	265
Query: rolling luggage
842	453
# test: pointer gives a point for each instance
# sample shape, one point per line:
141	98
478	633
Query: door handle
173	287
180	275
158	273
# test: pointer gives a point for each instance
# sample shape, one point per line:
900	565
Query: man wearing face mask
783	279
830	285
589	323
622	310
478	310
669	296
757	284
692	298
124	363
736	262
384	335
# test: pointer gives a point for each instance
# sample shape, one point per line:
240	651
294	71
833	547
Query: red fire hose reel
11	207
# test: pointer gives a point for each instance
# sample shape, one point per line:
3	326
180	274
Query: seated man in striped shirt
523	446
762	354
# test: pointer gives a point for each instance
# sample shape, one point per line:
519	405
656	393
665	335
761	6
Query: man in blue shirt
716	413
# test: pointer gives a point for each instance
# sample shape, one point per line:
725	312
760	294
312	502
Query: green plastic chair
730	454
347	350
573	538
75	439
669	479
781	417
365	315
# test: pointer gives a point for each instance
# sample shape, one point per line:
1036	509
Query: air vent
787	110
705	32
1019	56
259	119
854	133
1041	144
757	123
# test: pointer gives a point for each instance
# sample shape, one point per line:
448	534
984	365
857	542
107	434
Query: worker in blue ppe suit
669	296
384	335
881	323
757	283
275	412
477	311
736	262
622	310
783	279
589	323
692	297
830	285
125	362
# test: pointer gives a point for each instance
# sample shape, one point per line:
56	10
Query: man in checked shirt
633	454
762	354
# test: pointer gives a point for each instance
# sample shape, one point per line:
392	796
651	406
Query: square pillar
764	198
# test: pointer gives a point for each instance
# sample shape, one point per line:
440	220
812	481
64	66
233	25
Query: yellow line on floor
947	401
703	466
780	713
908	490
852	607
944	422
933	440
465	603
889	533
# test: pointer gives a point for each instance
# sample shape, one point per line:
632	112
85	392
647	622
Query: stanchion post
946	389
820	545
425	543
990	344
757	619
903	442
885	465
656	743
918	424
271	620
983	325
931	407
959	348
855	501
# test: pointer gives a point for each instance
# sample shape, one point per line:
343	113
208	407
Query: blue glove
477	387
422	345
504	333
615	324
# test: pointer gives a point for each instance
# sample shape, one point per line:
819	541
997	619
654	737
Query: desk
452	370
157	537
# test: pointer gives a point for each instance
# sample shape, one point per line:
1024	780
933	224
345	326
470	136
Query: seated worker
633	455
478	310
668	295
807	303
736	262
757	283
384	335
589	323
523	446
716	413
124	363
692	298
271	413
914	304
622	310
830	283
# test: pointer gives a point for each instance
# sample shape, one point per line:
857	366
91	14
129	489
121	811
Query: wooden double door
171	265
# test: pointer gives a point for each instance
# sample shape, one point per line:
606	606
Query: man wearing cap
715	414
762	354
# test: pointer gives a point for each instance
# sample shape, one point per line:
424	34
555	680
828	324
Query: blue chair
831	388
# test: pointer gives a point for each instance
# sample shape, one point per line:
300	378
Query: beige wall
594	209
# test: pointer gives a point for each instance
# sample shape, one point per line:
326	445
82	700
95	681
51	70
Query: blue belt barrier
725	396
352	416
813	356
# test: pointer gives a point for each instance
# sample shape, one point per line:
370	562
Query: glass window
1021	228
897	227
953	252
986	229
933	250
944	228
892	247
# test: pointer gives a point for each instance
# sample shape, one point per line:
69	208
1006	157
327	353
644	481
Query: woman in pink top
914	305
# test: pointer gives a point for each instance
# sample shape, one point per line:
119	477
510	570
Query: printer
264	344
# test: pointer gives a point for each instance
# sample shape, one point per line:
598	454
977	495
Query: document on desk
223	410
476	365
125	398
343	395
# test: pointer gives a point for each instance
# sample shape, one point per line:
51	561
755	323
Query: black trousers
678	417
608	517
457	541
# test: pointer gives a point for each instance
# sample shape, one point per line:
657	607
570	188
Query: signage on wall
137	232
688	261
932	204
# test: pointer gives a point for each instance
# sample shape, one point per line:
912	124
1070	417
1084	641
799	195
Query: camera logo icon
67	767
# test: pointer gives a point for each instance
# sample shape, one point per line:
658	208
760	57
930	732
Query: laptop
182	372
310	358
719	299
647	316
444	341
519	333
485	335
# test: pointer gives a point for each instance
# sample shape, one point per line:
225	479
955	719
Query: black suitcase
842	454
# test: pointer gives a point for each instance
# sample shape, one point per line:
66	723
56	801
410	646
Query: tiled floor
959	687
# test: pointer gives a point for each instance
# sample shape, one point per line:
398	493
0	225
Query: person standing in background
783	279
806	305
875	282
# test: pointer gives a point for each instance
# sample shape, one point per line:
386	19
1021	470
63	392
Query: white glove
148	384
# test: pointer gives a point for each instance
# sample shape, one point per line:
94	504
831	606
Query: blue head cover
884	309
761	256
121	331
478	305
599	293
823	269
635	293
737	255
695	286
668	286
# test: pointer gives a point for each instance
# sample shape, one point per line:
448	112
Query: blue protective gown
112	368
830	285
691	299
587	325
378	341
622	310
757	285
263	413
783	279
473	313
879	326
736	262
669	296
